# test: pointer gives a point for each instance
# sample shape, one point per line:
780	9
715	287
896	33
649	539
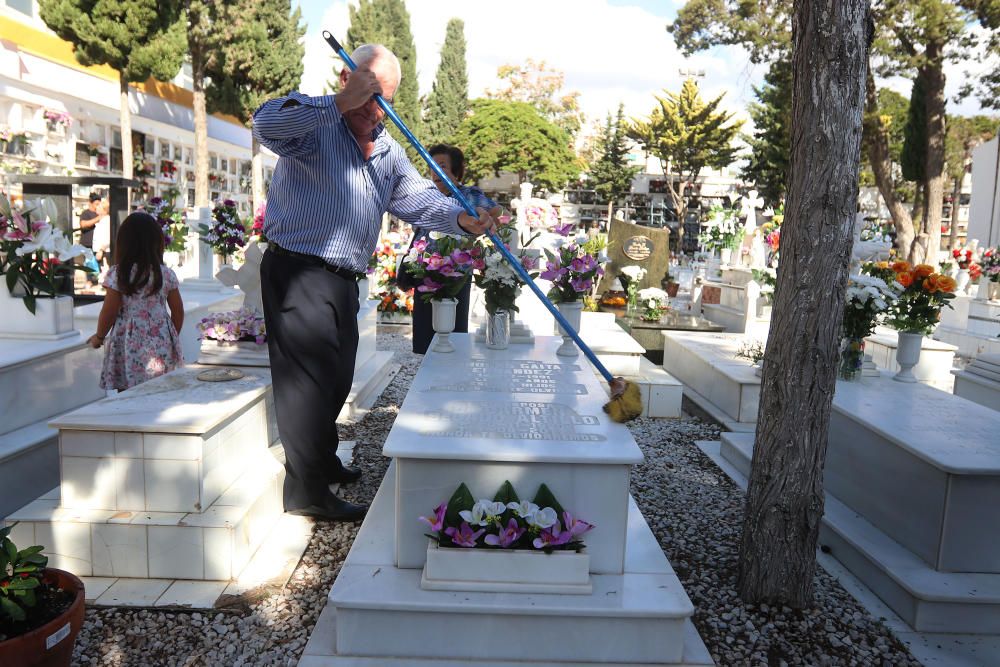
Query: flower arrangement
867	300
442	264
541	217
226	234
654	302
34	256
93	150
168	169
382	267
257	230
964	257
922	295
57	118
573	271
991	264
497	279
722	230
752	351
506	522
102	160
171	222
233	326
395	301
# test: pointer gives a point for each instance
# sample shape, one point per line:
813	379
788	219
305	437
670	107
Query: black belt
348	274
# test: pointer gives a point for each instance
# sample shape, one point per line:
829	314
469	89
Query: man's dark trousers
312	339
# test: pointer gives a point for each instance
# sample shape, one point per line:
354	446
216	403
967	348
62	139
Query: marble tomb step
927	599
718	382
980	381
29	464
381	613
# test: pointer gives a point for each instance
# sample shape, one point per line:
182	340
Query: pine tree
687	135
611	176
770	146
448	101
387	22
260	58
138	38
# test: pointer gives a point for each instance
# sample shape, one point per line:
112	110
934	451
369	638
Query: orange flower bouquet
922	296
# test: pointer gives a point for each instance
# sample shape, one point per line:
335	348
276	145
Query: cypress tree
914	155
448	102
138	38
770	145
260	57
611	176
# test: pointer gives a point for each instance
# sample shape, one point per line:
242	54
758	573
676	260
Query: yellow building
58	117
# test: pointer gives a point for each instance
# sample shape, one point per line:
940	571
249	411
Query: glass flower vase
852	356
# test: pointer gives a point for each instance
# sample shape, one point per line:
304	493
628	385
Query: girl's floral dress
143	344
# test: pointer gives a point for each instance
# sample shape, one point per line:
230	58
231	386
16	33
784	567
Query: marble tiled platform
936	357
980	381
911	510
480	417
39	380
714	378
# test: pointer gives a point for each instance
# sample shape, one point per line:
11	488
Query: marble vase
443	321
961	280
726	256
572	311
907	355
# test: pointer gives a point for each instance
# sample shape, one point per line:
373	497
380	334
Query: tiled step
29	464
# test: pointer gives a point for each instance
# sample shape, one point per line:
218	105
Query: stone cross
246	278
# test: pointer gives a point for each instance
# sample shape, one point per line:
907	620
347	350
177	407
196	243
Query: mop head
626	401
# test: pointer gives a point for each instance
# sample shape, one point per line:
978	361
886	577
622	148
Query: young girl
145	340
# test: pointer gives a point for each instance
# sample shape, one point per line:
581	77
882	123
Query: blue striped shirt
473	195
325	199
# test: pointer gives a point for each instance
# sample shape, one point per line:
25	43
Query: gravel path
694	510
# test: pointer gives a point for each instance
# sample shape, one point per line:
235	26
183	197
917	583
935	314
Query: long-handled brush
626	402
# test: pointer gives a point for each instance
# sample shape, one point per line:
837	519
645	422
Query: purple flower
507	536
436	261
563	230
479	264
552	271
464	537
229	202
438	521
429	286
461	257
575	527
581	284
420	245
552	537
529	262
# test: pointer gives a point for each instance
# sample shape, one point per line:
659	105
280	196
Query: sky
611	51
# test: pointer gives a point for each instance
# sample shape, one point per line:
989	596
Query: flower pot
572	311
726	256
53	318
498	329
93	162
907	355
443	322
233	353
961	280
52	644
505	570
852	356
671	289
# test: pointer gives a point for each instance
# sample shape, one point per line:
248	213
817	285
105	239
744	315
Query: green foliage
964	134
611	176
689	134
448	101
259	56
770	145
513	137
139	38
541	87
460	501
763	28
387	22
913	157
545	498
19	576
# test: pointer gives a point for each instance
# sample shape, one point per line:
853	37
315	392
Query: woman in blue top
452	162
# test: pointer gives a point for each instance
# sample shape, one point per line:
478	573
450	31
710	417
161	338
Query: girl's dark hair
454	154
139	253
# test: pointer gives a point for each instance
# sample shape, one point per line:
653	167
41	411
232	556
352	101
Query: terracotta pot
671	289
52	644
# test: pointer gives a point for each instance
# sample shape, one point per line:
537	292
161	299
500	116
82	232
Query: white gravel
693	508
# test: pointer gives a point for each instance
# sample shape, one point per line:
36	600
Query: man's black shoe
333	509
346	475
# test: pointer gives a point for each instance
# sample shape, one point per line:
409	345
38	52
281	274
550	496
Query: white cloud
609	54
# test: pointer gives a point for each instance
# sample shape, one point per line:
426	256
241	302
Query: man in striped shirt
338	171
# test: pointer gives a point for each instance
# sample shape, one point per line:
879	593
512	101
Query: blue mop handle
500	245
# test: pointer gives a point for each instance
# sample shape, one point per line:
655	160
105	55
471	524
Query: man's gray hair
366	53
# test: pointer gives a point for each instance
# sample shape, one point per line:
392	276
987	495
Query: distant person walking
88	222
143	340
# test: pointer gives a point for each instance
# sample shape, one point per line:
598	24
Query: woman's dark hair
454	154
139	253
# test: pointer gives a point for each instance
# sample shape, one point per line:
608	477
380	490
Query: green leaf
29	302
506	494
30	551
460	500
13	610
5	531
11	551
545	498
11	281
23	584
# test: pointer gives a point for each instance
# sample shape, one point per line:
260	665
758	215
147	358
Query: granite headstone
635	245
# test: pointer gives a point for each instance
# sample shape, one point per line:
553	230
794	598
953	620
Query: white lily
483	513
523	509
44	240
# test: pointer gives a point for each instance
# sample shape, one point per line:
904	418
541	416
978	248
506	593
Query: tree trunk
878	156
200	128
934	166
785	496
956	198
125	120
257	173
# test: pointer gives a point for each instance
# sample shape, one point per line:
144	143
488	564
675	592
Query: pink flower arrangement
506	522
573	270
57	117
991	264
233	326
257	230
442	264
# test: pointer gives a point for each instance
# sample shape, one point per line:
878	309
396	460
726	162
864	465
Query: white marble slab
707	365
173	403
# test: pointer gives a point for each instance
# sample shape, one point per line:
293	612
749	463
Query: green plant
20	573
